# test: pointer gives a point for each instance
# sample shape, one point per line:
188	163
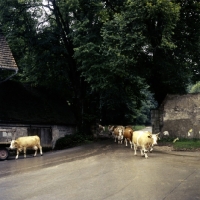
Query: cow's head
13	144
120	133
155	138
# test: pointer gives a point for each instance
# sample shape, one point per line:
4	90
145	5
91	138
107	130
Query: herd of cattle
144	140
139	139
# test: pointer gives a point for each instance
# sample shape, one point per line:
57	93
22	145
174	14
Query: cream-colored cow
22	143
145	141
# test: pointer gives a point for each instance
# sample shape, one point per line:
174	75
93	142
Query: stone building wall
179	115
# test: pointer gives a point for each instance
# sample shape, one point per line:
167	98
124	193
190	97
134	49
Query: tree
187	37
105	56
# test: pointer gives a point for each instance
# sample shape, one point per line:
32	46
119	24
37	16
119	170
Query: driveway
102	170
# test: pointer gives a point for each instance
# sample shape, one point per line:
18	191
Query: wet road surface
101	170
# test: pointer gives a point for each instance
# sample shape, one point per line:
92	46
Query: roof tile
7	60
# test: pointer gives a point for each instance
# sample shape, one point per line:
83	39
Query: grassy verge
138	127
182	144
187	145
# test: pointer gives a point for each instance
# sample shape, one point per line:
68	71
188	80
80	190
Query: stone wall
179	115
61	131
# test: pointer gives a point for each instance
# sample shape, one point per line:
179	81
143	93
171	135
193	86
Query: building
25	110
179	116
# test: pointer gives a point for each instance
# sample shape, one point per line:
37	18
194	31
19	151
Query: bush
138	127
72	140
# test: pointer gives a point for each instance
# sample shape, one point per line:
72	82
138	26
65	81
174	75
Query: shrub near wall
72	140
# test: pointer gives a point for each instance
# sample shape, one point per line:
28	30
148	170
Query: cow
118	133
145	140
22	143
100	129
128	133
111	130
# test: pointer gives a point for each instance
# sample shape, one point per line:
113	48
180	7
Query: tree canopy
108	58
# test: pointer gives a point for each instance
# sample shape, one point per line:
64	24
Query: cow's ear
157	134
15	143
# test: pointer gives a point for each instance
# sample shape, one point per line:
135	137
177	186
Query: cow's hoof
41	154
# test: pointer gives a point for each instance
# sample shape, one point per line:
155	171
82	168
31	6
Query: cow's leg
24	152
151	149
121	139
131	144
142	152
35	148
125	141
135	149
40	147
145	152
17	154
115	138
118	138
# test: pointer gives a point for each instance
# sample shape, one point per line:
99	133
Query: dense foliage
109	59
195	88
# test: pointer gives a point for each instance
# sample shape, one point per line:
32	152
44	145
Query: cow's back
28	141
128	132
142	138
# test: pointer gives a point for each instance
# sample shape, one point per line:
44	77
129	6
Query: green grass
138	127
187	145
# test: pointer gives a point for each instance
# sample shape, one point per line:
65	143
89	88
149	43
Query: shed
26	110
34	111
179	115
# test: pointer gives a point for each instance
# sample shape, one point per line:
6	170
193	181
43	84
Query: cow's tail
131	134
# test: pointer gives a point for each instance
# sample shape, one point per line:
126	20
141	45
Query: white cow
118	134
145	141
22	143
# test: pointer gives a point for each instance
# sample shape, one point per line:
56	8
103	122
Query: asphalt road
102	170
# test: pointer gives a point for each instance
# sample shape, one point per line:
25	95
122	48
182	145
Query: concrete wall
48	134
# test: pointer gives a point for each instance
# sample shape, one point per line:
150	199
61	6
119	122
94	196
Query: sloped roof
7	60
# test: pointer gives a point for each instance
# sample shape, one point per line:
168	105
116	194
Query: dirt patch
164	148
